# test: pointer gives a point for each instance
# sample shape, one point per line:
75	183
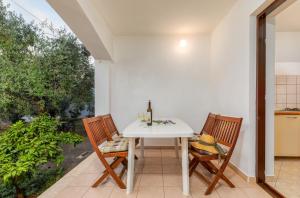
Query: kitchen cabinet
287	135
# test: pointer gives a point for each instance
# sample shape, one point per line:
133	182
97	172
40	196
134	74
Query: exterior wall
233	76
88	26
102	88
175	79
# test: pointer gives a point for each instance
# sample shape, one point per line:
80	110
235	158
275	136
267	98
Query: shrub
25	147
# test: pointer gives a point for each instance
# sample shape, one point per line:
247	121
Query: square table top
141	129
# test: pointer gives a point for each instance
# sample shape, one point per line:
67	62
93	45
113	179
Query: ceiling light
183	43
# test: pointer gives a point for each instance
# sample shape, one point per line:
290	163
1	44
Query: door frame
260	97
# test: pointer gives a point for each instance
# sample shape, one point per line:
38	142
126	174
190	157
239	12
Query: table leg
130	172
176	147
142	148
185	166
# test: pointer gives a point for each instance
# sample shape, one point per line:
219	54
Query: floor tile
169	153
151	180
121	193
150	192
74	192
84	180
256	192
158	176
171	168
104	192
174	192
287	177
152	153
153	161
169	160
152	168
226	192
172	180
195	181
198	192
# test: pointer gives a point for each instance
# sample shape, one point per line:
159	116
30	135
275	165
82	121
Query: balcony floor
157	176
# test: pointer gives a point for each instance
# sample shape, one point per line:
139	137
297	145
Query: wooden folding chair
113	132
209	124
226	131
207	127
97	134
110	125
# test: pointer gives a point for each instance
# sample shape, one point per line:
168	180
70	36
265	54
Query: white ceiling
162	17
289	19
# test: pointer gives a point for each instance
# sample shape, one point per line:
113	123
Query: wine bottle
149	112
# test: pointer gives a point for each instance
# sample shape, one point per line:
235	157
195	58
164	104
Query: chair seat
204	155
118	137
117	145
195	138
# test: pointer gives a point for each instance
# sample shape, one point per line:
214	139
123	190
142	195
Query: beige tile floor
287	177
157	176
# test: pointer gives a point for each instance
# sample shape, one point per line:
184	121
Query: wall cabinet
287	135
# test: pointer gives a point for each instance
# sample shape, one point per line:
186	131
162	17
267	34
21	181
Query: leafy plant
24	147
34	184
41	73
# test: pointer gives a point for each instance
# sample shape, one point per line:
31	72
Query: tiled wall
287	92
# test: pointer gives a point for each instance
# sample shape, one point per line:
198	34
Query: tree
41	73
24	147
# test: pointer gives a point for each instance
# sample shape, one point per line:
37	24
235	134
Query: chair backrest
209	124
226	130
110	125
96	131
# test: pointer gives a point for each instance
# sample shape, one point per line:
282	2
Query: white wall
287	68
88	26
288	53
215	73
176	80
233	76
288	47
102	87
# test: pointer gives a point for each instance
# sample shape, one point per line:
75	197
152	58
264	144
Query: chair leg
110	171
113	165
176	148
212	185
142	148
219	175
118	180
205	165
122	172
104	176
193	165
115	176
223	177
192	161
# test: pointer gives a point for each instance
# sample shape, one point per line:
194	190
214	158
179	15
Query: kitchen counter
287	112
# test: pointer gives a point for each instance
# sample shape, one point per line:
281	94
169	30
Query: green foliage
41	73
24	147
33	184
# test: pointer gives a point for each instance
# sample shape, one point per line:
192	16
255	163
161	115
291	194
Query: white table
140	129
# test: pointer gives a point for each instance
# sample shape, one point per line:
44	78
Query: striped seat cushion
195	138
118	145
119	137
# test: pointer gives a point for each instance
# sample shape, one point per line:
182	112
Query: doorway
262	95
